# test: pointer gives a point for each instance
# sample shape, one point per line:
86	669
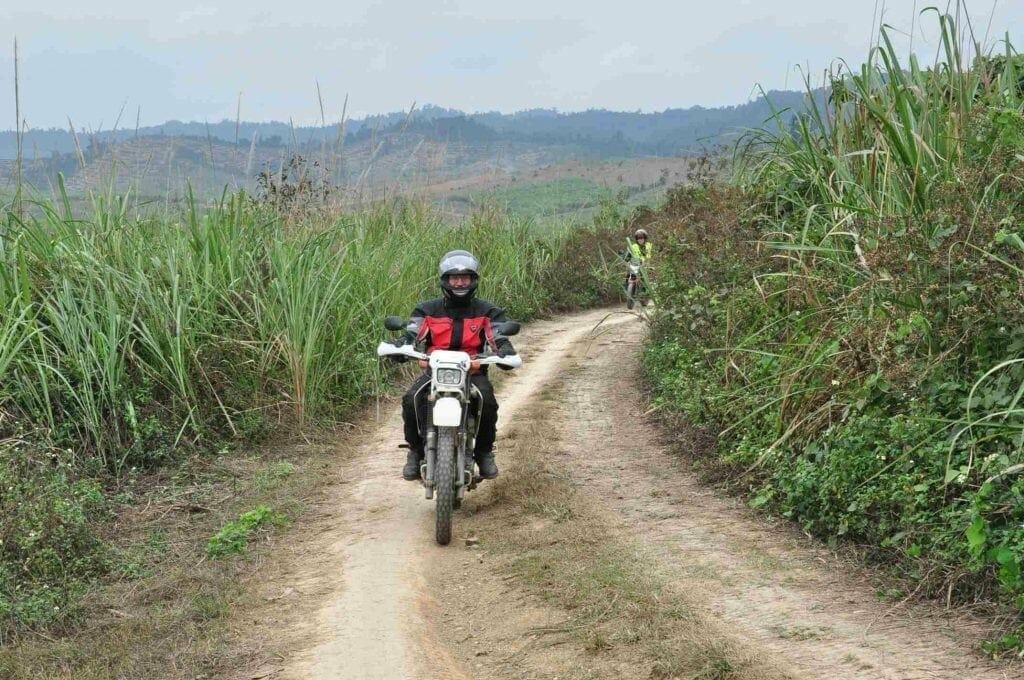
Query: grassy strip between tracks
557	545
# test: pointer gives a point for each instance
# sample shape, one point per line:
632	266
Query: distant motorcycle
454	417
634	282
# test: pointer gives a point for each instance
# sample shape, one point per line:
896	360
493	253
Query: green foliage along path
849	319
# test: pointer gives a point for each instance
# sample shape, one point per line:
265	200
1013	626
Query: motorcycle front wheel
631	295
444	483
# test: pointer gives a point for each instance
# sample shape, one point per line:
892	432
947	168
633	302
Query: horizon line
407	112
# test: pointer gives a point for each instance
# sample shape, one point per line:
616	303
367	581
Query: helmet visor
459	263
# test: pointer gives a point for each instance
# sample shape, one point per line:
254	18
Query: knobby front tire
444	483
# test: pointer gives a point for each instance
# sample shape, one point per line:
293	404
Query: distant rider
457	321
640	248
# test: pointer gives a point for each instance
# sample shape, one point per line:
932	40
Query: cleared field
573	191
541	199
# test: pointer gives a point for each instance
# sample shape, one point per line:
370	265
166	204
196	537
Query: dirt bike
453	419
634	282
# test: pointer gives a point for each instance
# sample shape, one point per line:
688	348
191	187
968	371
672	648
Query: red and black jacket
457	326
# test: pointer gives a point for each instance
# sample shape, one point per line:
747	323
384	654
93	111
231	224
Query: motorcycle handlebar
513	361
510	361
387	349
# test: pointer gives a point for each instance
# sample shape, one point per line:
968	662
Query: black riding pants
415	412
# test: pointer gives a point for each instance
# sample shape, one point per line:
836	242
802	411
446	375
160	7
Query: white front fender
447	412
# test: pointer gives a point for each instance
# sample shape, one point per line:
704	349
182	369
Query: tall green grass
126	339
890	133
116	318
850	321
896	192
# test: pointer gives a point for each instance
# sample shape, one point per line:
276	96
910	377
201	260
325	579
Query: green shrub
233	538
585	271
848	319
49	545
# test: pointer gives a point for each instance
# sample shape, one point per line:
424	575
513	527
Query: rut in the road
792	597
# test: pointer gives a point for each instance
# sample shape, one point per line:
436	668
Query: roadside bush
49	545
585	271
852	327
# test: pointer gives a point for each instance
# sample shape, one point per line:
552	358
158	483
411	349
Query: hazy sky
189	59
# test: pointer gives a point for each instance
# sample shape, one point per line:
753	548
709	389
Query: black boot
411	469
488	468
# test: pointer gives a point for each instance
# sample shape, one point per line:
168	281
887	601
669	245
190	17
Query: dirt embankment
599	555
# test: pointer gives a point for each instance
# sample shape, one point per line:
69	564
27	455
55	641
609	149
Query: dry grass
171	612
561	547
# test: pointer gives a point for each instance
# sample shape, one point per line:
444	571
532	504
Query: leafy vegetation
163	606
128	341
233	537
848	319
48	543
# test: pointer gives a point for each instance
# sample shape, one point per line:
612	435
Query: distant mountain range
665	133
429	144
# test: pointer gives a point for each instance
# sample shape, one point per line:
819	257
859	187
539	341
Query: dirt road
369	595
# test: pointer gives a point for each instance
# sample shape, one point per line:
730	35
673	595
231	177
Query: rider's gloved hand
504	349
400	341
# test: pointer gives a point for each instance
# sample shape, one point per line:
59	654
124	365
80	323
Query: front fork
463	444
429	461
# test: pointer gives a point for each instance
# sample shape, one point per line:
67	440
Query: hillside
160	165
430	146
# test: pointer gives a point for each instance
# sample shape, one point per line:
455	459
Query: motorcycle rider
457	321
640	248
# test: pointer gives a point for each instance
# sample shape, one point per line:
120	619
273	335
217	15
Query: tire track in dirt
369	569
790	595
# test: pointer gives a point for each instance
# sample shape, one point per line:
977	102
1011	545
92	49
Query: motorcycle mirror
510	328
394	323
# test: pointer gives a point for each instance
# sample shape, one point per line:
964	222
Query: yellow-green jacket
641	253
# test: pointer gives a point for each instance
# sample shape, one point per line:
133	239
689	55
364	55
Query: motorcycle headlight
449	376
